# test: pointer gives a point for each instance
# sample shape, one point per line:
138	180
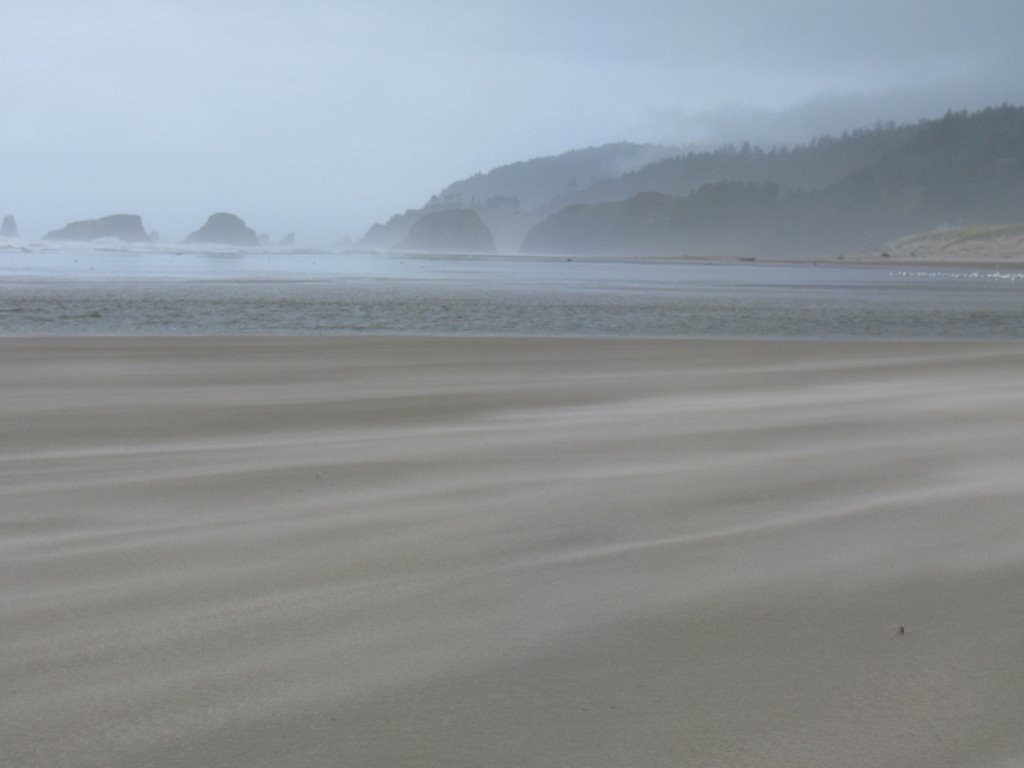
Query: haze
323	117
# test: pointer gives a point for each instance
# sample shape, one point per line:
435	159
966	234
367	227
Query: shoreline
900	256
851	260
389	295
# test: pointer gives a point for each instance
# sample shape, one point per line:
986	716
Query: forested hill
960	169
532	185
818	163
511	198
617	171
832	194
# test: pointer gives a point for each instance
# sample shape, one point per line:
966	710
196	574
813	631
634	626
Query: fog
322	117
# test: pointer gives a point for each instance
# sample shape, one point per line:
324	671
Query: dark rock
123	226
224	229
447	230
9	227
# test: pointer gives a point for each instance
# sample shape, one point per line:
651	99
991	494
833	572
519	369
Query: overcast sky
322	116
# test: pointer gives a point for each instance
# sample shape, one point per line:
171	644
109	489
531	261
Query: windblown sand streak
489	552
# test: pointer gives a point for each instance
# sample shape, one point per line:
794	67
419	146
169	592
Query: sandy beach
368	551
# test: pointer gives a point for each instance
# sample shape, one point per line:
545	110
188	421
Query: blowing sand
484	552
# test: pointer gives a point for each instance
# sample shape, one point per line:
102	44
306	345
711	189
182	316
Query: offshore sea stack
122	226
9	228
224	229
457	230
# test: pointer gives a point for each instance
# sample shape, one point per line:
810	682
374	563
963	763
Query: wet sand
510	552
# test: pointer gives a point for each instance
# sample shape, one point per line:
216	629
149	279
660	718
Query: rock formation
449	230
288	240
384	237
224	229
9	228
123	226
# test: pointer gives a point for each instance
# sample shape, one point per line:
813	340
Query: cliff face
224	229
449	230
123	226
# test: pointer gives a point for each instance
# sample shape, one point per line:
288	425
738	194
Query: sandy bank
498	552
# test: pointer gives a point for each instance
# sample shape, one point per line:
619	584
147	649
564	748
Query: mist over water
68	293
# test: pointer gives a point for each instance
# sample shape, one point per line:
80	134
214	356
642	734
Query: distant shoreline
1001	253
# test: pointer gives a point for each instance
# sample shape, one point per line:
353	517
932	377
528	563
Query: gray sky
323	116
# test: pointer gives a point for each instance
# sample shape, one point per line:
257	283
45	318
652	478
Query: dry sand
486	552
990	246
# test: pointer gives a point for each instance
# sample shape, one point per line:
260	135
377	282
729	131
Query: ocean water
161	293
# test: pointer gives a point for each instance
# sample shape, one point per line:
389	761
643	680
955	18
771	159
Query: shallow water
101	293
